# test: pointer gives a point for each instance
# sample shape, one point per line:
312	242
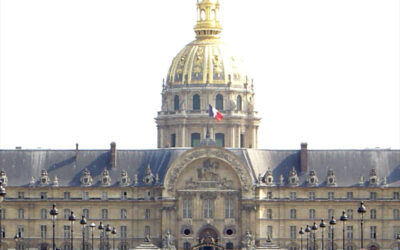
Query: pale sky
325	72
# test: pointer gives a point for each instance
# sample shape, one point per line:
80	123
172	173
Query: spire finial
207	19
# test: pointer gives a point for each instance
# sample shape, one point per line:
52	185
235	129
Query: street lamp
307	230
108	230
2	195
92	226
114	232
101	227
83	222
314	228
332	222
72	219
54	213
344	218
301	232
362	210
16	238
322	225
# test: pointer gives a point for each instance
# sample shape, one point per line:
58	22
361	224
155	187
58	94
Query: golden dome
207	60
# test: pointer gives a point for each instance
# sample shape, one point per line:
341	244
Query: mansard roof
69	165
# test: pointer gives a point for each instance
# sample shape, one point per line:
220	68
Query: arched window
195	139
176	102
229	245
219	102
187	246
220	139
196	102
239	103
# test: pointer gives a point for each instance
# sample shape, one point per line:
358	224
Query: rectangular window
67	195
208	208
372	196
43	213
104	196
330	231
67	232
293	195
396	215
43	231
268	213
85	212
20	230
43	195
242	140
67	213
87	234
372	230
124	213
220	139
187	208
292	213
373	214
396	230
229	208
269	195
173	140
21	195
331	195
396	195
311	195
147	230
195	139
350	214
293	232
124	230
331	213
85	196
311	214
3	213
104	214
269	231
349	195
21	213
124	195
349	232
147	214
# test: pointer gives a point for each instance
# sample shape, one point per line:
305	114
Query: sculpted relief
208	174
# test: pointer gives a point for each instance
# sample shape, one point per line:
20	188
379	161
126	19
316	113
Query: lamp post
322	225
344	218
314	229
54	213
301	232
16	238
101	228
92	226
307	230
2	195
108	230
72	219
114	232
83	222
332	222
362	210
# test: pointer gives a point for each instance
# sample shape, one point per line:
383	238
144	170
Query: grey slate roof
68	165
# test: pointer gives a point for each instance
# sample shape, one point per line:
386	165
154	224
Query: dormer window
331	178
86	179
44	178
293	178
105	179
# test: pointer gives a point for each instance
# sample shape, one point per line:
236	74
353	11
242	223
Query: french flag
213	112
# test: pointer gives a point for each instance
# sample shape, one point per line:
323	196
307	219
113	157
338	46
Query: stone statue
168	241
147	238
248	241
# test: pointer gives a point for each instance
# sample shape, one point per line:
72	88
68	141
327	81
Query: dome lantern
207	19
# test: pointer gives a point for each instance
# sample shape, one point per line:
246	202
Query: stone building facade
195	192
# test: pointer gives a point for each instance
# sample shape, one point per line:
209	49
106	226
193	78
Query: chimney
77	146
303	157
113	155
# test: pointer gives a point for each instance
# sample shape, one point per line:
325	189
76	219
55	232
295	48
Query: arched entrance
208	240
